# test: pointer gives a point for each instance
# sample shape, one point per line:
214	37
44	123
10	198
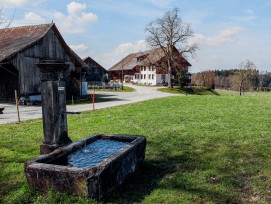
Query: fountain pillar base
47	148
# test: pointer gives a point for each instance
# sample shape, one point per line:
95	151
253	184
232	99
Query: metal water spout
70	113
53	95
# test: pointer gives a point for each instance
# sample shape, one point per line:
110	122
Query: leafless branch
4	20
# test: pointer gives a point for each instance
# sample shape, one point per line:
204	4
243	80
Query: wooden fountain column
53	96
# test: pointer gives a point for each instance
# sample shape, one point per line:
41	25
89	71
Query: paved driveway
142	93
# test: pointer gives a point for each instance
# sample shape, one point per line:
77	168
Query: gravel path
141	93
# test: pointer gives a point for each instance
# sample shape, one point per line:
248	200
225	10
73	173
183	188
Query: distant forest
233	79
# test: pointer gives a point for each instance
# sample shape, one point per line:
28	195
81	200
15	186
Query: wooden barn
21	48
98	72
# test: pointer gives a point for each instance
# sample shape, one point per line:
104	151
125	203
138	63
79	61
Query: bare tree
205	79
261	76
247	71
4	20
168	33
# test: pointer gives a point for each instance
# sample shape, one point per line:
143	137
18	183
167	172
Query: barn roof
16	39
85	59
149	57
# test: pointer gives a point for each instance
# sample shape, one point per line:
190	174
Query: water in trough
94	153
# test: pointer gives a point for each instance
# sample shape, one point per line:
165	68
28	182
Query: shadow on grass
169	173
200	91
190	90
99	98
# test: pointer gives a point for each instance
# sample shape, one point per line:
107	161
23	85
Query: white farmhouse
148	67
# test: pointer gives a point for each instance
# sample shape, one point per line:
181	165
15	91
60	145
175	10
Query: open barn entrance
9	81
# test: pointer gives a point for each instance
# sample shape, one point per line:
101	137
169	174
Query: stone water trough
93	166
53	170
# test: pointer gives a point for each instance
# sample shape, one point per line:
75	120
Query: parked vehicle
30	99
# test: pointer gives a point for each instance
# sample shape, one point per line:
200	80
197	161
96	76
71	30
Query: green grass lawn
200	149
193	90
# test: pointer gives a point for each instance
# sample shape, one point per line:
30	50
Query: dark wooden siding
97	72
25	62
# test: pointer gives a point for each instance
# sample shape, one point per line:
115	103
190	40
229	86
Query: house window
144	76
144	68
152	76
141	68
141	76
149	76
139	59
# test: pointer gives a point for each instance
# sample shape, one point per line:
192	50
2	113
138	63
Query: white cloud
214	51
75	8
76	20
224	36
79	48
195	39
32	17
111	58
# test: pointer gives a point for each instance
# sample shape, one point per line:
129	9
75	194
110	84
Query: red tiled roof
129	62
152	57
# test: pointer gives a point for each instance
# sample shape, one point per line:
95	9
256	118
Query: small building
98	73
148	67
21	48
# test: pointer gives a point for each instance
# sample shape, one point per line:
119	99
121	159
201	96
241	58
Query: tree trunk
169	66
169	75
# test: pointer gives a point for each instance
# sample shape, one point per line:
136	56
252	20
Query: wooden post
93	99
72	100
17	106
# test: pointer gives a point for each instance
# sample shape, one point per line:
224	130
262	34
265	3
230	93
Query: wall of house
161	78
147	75
117	74
25	62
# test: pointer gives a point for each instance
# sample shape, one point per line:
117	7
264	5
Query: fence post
17	106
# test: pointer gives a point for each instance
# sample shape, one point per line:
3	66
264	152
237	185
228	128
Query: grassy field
200	149
189	91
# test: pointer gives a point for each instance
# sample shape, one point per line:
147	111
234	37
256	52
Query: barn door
8	83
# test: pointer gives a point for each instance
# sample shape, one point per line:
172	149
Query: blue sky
227	32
